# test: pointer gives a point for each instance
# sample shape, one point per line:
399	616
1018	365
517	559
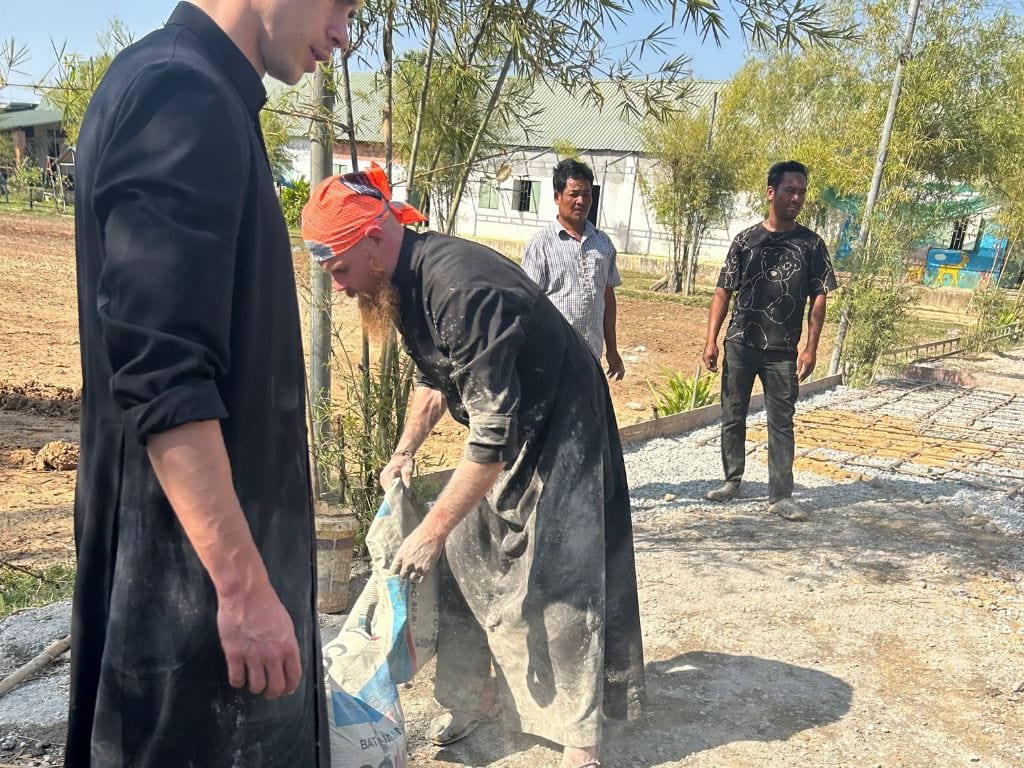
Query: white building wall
301	162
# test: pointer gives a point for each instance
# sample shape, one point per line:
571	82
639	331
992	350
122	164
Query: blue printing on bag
378	699
400	656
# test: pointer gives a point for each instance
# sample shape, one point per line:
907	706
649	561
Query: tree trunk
410	183
691	271
321	165
350	120
675	281
389	94
364	368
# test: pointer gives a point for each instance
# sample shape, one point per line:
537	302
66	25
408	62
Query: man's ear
374	232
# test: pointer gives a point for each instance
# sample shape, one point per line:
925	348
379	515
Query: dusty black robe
187	312
544	582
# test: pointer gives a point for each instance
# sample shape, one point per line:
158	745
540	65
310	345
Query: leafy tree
78	76
446	135
11	56
498	45
691	187
545	41
276	128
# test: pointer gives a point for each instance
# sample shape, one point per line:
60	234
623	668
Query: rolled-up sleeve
483	331
169	218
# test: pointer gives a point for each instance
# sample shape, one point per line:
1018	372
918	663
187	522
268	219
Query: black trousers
777	371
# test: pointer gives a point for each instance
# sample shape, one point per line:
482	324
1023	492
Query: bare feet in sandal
580	757
449	727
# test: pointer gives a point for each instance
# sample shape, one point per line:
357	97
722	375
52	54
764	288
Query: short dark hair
777	171
571	169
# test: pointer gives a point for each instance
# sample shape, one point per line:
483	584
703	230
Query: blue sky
35	23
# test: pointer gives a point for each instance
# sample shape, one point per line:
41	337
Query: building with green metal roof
34	130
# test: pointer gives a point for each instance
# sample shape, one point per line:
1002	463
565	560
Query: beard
378	307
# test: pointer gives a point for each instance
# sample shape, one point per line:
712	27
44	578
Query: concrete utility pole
321	161
876	181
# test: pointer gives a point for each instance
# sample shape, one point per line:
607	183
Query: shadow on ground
697	701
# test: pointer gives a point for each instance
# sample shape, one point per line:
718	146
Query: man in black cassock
535	521
194	634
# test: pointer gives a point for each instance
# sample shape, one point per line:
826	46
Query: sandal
450	727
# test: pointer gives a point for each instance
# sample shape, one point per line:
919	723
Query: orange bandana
342	207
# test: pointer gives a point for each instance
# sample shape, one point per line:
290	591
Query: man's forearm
192	466
815	321
425	410
610	311
716	315
468	485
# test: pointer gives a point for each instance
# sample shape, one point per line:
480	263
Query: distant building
35	133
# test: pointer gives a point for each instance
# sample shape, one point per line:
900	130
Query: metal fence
954	345
55	198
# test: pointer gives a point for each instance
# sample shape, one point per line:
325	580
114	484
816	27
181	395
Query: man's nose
338	31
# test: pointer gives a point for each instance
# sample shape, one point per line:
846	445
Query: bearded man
534	525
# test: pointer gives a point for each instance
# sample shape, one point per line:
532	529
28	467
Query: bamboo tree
421	110
692	185
321	147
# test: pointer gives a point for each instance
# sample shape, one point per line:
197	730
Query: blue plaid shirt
574	275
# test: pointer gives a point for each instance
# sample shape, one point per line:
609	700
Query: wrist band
409	454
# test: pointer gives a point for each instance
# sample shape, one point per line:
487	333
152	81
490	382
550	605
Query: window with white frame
488	194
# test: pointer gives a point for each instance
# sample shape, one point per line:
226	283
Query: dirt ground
887	632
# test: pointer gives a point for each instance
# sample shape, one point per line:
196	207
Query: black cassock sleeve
483	330
169	218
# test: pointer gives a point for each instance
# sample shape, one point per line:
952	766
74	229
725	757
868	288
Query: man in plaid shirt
574	263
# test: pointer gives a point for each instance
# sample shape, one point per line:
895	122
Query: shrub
994	311
676	393
293	198
878	312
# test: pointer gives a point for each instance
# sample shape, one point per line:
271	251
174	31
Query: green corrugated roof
560	116
28	118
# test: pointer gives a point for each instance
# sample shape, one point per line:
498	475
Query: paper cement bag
390	634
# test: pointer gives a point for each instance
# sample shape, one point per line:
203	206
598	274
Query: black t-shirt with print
772	274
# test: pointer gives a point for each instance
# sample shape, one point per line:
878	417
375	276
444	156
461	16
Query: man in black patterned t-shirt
774	267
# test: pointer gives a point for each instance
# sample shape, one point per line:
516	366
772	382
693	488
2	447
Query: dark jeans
777	371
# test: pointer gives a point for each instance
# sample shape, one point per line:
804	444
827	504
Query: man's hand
616	369
400	464
256	633
710	356
258	638
418	553
805	363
